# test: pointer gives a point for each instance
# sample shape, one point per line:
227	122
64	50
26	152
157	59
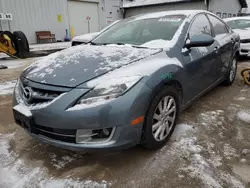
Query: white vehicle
241	25
86	38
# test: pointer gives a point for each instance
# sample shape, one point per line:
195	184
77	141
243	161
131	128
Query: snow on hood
86	38
140	69
244	33
78	64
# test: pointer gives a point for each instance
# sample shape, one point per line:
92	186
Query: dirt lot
210	148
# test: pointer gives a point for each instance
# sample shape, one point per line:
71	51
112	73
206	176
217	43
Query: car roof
166	13
236	18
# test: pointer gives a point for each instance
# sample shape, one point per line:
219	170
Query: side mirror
201	40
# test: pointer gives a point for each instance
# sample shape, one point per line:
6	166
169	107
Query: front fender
165	75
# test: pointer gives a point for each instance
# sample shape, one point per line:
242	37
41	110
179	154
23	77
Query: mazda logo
27	94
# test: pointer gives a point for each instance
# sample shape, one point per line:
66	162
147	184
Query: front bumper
244	49
116	114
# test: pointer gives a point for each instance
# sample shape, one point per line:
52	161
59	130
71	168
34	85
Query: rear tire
156	121
21	36
230	77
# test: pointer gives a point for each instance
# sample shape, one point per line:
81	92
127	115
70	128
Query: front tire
232	73
161	118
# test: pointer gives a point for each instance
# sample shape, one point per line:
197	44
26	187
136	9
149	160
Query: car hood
82	63
244	33
86	38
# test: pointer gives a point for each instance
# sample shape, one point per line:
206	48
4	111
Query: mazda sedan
128	85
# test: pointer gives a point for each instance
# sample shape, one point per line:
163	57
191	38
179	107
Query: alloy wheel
164	118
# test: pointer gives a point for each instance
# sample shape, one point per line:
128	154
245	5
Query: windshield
239	24
137	31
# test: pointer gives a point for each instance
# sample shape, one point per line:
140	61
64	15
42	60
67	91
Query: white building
77	16
223	8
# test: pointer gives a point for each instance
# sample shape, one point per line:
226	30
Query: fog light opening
102	133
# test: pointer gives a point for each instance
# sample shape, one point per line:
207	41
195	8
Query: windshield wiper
93	43
118	43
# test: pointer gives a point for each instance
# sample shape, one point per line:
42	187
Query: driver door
200	61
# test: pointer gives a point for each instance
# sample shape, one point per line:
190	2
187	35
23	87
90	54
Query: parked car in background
128	86
241	25
86	38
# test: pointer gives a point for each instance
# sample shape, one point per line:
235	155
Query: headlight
109	90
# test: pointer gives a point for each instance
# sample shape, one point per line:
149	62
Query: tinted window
224	15
219	26
200	26
140	30
239	24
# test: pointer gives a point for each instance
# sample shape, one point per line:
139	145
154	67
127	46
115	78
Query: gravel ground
210	148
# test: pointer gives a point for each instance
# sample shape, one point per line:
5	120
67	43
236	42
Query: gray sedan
128	85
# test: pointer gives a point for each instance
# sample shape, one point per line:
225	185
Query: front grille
34	96
65	135
245	40
244	51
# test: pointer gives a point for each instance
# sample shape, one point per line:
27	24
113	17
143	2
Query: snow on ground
2	55
229	151
49	46
16	174
187	148
7	87
12	64
241	98
244	116
212	117
60	163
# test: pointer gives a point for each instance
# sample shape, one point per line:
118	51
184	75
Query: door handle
216	49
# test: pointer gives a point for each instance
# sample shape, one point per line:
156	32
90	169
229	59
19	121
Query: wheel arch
173	83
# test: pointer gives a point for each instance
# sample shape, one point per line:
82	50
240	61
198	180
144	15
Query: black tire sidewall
227	81
21	35
148	139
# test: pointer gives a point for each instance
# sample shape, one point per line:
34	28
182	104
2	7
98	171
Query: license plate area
22	120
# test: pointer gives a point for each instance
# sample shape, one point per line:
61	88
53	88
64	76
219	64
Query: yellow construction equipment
14	44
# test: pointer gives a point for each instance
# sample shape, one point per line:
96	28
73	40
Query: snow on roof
139	3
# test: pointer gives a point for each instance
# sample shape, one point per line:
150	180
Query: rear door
200	61
224	37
